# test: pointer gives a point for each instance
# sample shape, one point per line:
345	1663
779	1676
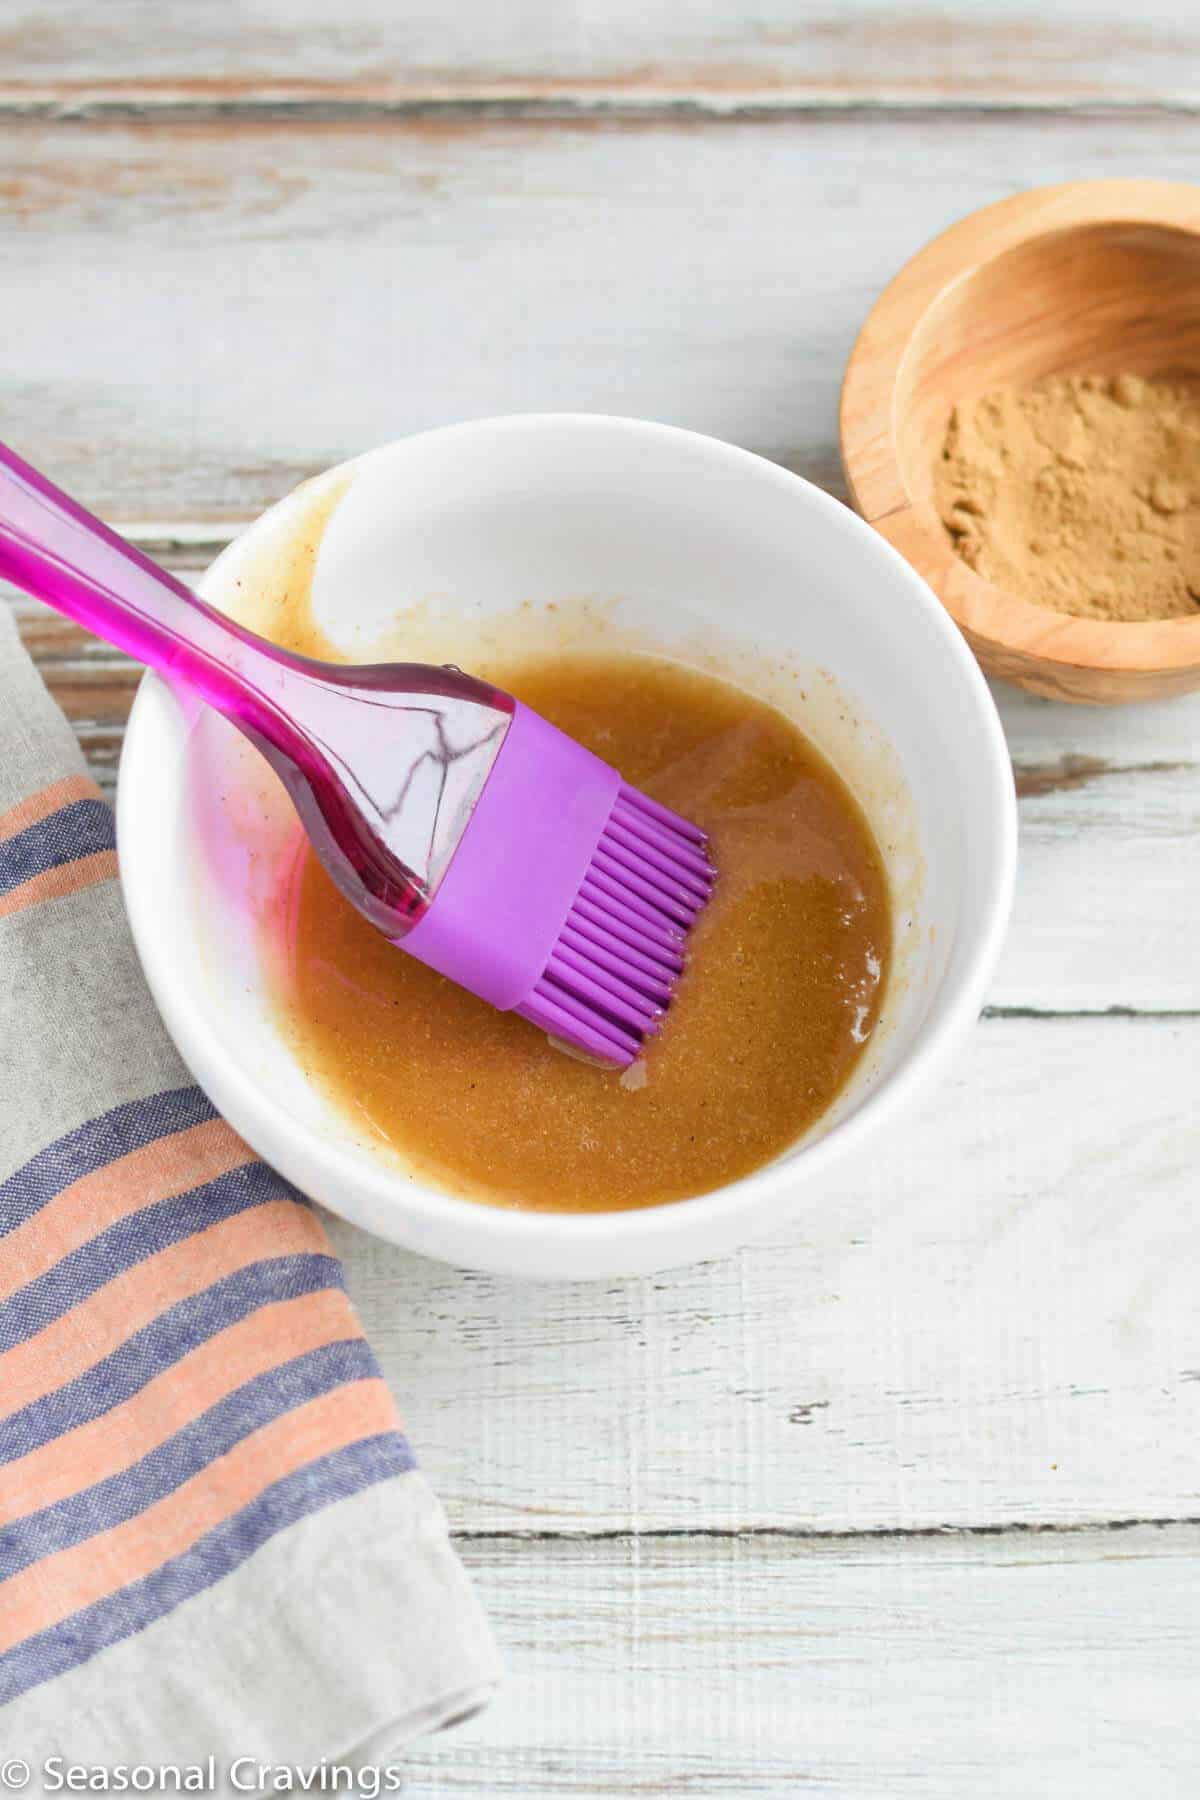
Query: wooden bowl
1093	277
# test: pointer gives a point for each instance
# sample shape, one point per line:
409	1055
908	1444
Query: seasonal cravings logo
244	1775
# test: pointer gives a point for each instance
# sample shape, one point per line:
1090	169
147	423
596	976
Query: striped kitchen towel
213	1541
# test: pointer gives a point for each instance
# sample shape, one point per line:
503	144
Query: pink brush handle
54	548
382	761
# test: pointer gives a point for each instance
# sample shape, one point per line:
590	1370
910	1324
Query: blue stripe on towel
64	836
202	1442
161	1344
77	1639
94	1145
133	1240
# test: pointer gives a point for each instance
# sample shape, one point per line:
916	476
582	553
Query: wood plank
1109	850
263	299
995	1323
608	51
997	1669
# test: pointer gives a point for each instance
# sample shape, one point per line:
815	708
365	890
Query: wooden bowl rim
867	436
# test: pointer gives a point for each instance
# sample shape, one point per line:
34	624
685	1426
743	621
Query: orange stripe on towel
93	1330
156	1171
51	1590
50	800
274	1335
68	878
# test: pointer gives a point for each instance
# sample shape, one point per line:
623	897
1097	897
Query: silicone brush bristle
612	973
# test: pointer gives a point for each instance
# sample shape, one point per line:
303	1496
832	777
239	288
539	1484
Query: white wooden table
906	1501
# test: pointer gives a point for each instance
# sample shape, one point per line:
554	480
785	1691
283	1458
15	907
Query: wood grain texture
263	299
607	52
1048	1667
995	1325
1109	852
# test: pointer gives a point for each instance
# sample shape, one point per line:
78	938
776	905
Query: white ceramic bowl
585	531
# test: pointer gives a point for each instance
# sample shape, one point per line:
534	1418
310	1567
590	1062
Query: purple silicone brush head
569	896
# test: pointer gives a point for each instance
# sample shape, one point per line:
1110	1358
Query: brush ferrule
522	858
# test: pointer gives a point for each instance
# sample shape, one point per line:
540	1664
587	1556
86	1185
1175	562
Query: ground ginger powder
1081	493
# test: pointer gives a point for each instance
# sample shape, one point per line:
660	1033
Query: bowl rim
509	1237
994	618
